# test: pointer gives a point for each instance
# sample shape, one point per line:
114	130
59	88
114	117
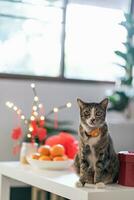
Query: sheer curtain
117	4
93	34
30	37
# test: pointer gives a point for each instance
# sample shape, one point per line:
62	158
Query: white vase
26	150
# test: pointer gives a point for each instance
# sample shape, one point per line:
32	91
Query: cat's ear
104	103
80	103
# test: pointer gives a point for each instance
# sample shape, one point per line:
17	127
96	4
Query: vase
26	150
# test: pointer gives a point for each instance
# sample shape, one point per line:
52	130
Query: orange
65	157
44	150
44	158
59	158
57	150
36	156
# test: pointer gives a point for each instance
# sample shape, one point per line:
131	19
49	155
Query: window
30	37
74	39
93	34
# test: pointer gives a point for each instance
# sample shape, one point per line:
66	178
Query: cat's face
93	114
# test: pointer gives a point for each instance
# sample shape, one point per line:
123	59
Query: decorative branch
38	124
57	109
17	110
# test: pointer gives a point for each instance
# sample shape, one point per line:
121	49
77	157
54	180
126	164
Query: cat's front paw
79	184
100	185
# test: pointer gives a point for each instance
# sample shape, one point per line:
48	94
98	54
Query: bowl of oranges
50	158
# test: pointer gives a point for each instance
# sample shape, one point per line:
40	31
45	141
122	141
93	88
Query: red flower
41	132
16	133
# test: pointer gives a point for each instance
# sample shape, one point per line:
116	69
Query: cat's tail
77	164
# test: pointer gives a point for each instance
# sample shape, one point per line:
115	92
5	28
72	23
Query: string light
32	85
19	112
68	105
35	114
40	105
32	118
26	122
30	129
34	108
42	117
22	117
15	108
29	135
36	98
55	109
9	104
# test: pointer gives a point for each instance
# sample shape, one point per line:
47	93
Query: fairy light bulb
55	109
68	105
32	85
10	105
42	117
29	135
15	108
34	108
19	112
22	117
35	114
26	122
40	105
32	118
7	103
30	129
36	98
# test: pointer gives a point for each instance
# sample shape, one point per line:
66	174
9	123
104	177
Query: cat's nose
93	120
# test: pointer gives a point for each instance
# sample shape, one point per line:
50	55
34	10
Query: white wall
53	94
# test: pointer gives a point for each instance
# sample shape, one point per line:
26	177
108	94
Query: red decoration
16	149
41	123
16	133
67	140
36	131
41	132
72	149
35	127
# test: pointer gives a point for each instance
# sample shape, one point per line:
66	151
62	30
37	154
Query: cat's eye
86	112
98	113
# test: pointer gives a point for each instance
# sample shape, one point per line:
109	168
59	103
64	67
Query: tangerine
44	150
59	158
65	157
36	156
57	150
44	158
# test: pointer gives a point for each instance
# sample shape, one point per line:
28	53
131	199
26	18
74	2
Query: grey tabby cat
96	161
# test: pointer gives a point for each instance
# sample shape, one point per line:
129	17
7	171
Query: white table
59	182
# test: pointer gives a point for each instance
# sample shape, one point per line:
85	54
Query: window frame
61	77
